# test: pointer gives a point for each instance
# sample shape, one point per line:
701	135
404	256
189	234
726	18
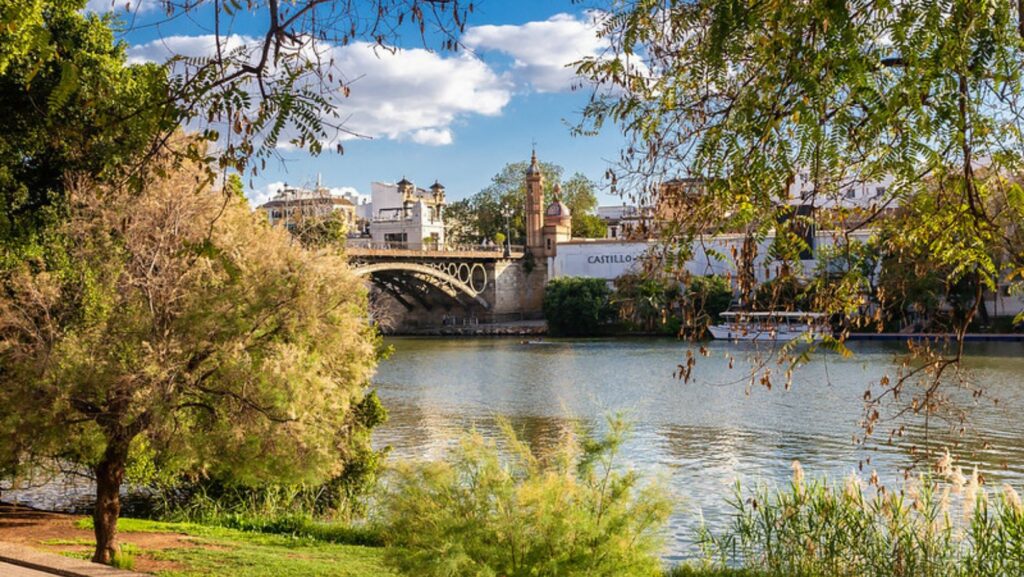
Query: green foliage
193	336
706	298
480	216
927	528
72	107
234	185
770	104
124	558
648	303
576	306
585	225
787	293
327	231
480	512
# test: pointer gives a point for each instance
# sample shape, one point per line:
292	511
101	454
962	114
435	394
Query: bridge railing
370	244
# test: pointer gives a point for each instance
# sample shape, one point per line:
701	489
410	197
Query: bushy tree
646	302
706	297
576	306
71	105
481	214
184	329
572	512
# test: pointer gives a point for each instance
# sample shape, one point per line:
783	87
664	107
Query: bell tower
534	207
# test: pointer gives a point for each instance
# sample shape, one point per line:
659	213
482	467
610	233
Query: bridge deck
429	254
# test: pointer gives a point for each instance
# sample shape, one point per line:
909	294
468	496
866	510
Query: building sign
598	259
610	259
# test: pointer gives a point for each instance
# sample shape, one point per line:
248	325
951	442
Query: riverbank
189	550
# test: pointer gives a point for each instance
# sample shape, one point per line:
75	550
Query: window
549	243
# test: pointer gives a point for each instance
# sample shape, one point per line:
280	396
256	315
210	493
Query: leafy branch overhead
284	88
771	104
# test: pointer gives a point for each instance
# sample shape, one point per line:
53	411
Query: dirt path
58	533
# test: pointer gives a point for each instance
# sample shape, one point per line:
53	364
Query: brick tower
534	207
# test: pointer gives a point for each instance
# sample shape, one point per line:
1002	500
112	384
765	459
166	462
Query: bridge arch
441	279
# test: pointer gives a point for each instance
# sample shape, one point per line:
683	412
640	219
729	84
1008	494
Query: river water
700	437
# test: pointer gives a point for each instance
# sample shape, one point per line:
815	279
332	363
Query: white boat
770	326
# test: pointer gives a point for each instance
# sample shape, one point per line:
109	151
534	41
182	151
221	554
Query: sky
457	117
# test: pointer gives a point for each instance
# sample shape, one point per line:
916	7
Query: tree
184	330
706	298
645	300
460	223
71	104
508	188
586	225
576	306
751	98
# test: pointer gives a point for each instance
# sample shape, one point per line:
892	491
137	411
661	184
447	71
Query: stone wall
518	289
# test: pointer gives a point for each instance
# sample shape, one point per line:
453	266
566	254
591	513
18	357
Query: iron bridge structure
430	279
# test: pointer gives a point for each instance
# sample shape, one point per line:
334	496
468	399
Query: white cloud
163	49
261	195
541	51
137	6
416	94
351	193
432	136
406	94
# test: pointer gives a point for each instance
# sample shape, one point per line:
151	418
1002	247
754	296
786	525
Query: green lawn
220	551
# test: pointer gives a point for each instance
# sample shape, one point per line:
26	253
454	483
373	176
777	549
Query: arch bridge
434	279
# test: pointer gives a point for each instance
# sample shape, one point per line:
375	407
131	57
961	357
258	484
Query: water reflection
702	436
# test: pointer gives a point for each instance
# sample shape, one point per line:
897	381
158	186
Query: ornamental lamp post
506	211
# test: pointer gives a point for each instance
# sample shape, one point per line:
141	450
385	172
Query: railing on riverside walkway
370	244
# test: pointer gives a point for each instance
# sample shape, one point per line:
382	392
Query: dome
437	186
557	209
403	182
534	168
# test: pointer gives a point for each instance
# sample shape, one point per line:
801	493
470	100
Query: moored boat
770	326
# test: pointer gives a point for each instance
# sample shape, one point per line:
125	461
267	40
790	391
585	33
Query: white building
404	216
851	193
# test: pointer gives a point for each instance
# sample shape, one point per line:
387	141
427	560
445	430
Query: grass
225	551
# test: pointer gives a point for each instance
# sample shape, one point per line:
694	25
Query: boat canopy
771	314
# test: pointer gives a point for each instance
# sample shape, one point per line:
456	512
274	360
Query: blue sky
455	117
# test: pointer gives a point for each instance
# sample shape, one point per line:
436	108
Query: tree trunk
109	474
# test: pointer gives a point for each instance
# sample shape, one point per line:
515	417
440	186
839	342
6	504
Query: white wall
609	259
596	258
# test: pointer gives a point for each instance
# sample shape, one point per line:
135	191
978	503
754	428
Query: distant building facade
292	207
406	216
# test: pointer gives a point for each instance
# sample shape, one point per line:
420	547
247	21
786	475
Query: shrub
516	514
575	306
926	529
647	303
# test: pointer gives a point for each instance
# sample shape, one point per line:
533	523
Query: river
701	436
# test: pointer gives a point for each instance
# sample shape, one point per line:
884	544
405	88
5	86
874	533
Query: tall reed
945	525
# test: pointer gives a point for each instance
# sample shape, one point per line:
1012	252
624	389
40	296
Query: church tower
534	207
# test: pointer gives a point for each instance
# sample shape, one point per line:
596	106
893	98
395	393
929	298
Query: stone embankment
518	329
